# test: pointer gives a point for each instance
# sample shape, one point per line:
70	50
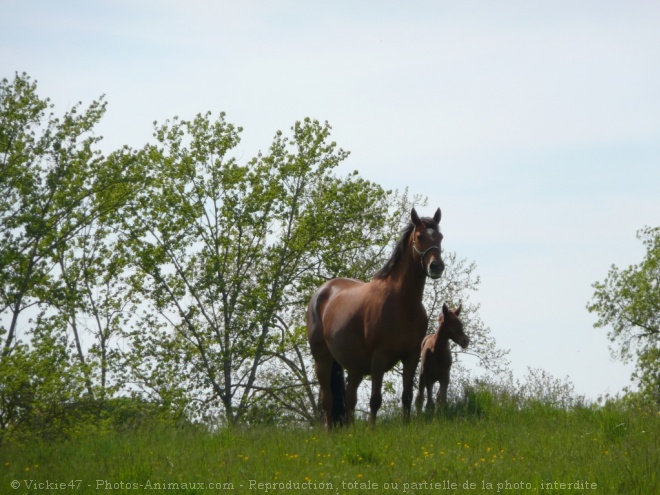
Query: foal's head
451	327
426	243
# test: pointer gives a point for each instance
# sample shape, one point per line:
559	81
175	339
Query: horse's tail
338	388
318	345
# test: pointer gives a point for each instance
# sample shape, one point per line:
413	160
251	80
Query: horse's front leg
376	394
409	368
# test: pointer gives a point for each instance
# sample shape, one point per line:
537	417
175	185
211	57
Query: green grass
612	449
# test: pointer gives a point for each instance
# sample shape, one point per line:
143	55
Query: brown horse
436	357
366	328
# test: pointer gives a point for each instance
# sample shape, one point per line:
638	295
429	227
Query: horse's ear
437	216
457	311
415	218
445	310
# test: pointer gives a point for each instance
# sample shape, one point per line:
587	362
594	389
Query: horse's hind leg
338	390
323	360
323	364
351	395
324	376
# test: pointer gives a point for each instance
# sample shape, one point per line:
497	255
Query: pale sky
535	126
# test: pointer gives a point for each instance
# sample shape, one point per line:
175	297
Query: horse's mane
400	247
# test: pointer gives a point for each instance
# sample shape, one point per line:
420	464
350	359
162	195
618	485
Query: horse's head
452	327
426	243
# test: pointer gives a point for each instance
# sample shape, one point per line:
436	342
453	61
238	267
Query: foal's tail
338	389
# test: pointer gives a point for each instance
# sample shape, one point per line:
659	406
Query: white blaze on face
427	260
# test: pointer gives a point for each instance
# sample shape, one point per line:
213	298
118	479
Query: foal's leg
430	405
354	381
419	400
442	393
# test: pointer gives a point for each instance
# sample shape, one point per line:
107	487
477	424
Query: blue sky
535	126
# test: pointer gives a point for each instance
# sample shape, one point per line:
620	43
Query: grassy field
586	450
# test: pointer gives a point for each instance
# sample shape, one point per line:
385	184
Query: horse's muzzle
435	269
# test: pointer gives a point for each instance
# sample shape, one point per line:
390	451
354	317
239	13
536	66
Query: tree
628	301
91	301
224	251
55	186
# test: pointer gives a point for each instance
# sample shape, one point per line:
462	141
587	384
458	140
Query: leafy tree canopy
628	302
